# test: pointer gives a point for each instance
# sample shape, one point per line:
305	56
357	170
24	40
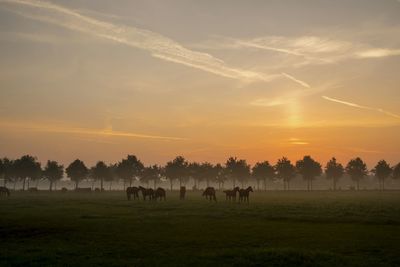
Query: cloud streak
159	46
354	105
84	131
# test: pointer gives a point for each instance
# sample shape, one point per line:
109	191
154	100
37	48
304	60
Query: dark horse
209	193
159	193
147	192
132	191
231	194
244	194
4	191
182	193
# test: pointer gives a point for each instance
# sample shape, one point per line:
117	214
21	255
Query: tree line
27	170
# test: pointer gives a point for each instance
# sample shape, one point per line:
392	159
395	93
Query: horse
33	189
147	192
231	194
4	191
182	193
64	189
209	193
132	191
159	193
244	194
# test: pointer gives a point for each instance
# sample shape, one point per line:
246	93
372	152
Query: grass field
275	229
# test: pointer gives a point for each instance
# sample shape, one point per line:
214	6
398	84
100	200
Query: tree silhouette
100	172
113	174
27	167
9	172
152	173
238	170
262	171
209	172
129	169
357	170
285	171
334	171
53	172
195	172
177	169
309	169
222	175
77	171
396	172
382	171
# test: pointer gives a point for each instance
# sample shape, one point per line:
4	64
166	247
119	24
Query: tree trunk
258	185
383	184
155	184
234	183
101	184
15	184
171	183
265	184
76	184
23	184
51	185
110	185
334	184
130	182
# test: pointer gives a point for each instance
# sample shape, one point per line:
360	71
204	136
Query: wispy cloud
302	83
377	53
158	45
49	128
354	105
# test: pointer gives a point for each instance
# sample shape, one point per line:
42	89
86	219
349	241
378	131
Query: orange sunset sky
259	80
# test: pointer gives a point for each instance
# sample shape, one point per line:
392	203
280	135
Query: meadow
276	228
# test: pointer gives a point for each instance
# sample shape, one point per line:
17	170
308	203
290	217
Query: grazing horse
147	192
64	189
159	193
182	193
209	193
244	194
33	189
4	191
132	191
231	194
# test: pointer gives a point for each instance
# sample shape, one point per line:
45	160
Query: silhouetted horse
33	189
4	191
64	189
159	193
132	191
182	193
231	194
209	193
244	194
147	192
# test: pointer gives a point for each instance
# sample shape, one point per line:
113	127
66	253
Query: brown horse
147	192
244	194
231	194
182	193
132	191
159	193
209	193
4	191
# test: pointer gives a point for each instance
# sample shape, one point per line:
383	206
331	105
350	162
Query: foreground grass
275	229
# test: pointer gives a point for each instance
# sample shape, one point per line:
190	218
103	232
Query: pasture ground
275	229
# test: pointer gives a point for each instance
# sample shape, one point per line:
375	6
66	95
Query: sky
207	80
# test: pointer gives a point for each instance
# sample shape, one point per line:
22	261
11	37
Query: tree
152	173
261	172
238	170
334	171
129	169
382	171
27	167
2	171
100	172
222	175
396	172
77	171
195	172
357	170
210	172
309	169
177	169
113	174
9	173
286	171
53	172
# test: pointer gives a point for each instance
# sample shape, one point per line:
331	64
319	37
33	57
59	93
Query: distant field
275	229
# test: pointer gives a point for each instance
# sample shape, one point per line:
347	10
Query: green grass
275	229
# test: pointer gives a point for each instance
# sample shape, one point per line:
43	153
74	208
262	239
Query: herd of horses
209	193
159	194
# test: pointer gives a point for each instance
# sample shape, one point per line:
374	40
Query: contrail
158	45
86	131
354	105
304	84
